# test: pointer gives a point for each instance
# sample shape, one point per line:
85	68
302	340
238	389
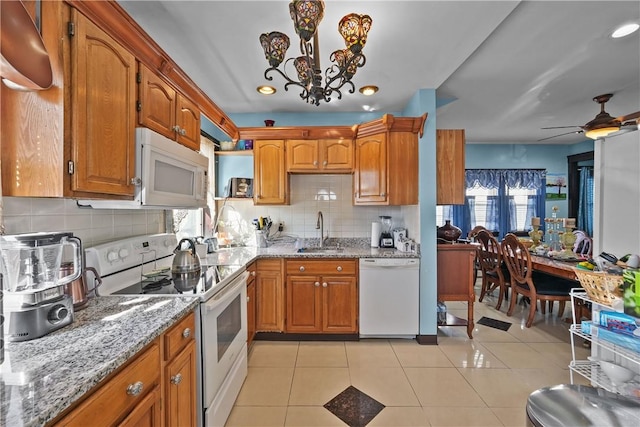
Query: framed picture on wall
556	186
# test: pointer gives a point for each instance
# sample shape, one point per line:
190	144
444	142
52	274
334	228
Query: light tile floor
460	382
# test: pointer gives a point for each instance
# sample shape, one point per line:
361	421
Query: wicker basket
601	287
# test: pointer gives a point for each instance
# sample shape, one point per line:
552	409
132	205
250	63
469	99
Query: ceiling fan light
601	132
625	30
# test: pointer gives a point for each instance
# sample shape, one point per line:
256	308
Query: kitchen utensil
35	302
78	289
185	269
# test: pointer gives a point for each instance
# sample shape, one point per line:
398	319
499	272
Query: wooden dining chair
472	237
544	288
494	273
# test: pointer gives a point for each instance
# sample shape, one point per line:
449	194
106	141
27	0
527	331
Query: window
503	201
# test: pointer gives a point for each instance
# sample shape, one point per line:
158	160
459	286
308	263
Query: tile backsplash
92	226
330	194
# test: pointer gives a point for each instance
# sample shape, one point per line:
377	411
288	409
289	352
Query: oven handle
228	292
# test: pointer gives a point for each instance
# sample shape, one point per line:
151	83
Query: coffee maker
35	302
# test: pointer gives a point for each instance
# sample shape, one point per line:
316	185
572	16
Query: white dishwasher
389	303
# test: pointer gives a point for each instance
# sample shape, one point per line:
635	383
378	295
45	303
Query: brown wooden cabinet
322	296
319	156
269	296
163	375
180	374
270	179
450	181
456	279
131	396
166	111
251	303
386	161
102	112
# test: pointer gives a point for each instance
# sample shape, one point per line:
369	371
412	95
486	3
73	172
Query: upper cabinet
386	161
450	182
270	178
166	111
102	112
320	156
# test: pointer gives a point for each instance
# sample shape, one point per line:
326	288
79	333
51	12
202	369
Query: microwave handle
201	188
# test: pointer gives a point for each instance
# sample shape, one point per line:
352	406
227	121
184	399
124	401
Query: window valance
520	178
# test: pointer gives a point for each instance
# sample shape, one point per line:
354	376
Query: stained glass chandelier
306	16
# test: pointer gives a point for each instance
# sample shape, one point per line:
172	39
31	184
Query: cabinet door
269	297
402	150
188	123
336	155
180	388
339	304
304	305
270	179
157	103
103	115
450	182
147	413
370	174
302	155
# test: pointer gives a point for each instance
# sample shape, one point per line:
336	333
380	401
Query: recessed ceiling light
368	90
266	90
625	30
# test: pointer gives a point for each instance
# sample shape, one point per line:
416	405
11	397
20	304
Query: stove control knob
112	256
57	313
123	253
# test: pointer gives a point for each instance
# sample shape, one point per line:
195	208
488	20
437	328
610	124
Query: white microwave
168	175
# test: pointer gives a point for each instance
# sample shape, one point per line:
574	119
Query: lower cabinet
269	296
163	375
322	296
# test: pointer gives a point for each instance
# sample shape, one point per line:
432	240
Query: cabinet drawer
121	393
328	266
179	336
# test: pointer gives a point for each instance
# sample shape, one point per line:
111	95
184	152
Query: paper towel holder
376	230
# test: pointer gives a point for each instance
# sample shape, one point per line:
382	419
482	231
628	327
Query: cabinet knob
315	163
183	132
324	163
317	284
253	273
302	268
137	181
186	333
248	299
324	284
384	194
135	389
339	268
176	379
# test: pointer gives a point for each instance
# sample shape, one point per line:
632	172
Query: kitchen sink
322	250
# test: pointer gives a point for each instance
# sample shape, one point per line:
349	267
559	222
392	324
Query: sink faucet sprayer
320	226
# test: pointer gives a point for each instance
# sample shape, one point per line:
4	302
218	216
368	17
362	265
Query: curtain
585	201
501	210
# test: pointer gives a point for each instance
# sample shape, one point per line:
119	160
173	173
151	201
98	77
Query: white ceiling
509	68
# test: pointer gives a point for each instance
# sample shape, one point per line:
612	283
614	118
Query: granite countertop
350	248
41	378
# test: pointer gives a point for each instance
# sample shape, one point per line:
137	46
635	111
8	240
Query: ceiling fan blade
632	116
562	127
562	134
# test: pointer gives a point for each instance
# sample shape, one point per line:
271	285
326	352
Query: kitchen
36	214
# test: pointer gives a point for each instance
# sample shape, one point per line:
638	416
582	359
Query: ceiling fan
603	125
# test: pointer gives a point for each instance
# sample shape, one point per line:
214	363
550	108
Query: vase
448	232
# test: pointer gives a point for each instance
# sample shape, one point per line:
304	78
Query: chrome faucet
320	226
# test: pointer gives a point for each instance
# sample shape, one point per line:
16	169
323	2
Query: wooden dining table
554	267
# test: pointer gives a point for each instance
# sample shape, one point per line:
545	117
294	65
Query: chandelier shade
275	45
354	29
316	87
306	15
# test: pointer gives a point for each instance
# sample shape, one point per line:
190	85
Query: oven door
224	333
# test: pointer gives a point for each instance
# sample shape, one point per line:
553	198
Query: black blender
386	238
